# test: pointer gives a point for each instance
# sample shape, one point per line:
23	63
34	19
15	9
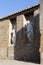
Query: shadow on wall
30	52
37	37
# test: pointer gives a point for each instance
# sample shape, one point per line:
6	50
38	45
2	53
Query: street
15	62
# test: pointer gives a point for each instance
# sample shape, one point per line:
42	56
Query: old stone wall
19	30
30	51
11	53
26	52
41	46
41	30
3	53
4	38
4	33
22	49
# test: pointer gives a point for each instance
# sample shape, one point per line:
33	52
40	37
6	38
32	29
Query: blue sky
10	6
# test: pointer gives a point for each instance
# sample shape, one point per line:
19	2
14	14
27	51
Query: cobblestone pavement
15	62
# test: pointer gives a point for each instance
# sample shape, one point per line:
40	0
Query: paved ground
15	62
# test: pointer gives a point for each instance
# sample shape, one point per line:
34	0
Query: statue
13	37
29	32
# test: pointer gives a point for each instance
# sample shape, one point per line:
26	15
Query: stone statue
13	37
29	33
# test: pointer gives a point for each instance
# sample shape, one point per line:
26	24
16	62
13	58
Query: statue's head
28	22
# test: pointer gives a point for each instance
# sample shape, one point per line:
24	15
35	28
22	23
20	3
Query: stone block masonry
4	33
3	52
41	30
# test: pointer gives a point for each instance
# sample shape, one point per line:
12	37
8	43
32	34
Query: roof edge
20	11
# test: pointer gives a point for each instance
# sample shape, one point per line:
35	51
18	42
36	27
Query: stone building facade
41	30
21	49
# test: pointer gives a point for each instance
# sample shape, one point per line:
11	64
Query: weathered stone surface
11	52
19	29
41	58
29	52
19	25
41	14
3	52
4	33
41	30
